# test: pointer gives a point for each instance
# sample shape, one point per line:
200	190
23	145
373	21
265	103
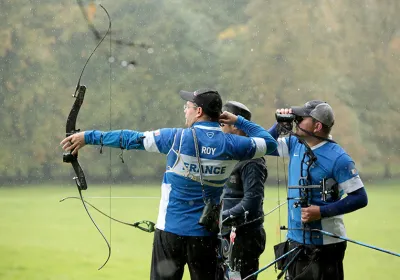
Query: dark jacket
244	193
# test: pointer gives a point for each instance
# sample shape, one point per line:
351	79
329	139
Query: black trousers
323	262
246	252
171	252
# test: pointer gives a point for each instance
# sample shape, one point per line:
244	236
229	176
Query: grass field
43	239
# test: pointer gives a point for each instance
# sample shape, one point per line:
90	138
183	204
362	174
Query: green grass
41	238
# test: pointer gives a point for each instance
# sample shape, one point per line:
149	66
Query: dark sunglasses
298	119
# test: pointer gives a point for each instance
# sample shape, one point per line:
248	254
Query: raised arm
152	141
258	133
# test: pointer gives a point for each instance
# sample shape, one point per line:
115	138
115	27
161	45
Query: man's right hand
227	118
284	111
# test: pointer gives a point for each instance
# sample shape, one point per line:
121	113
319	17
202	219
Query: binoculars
284	118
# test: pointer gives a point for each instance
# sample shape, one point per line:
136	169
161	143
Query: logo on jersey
210	134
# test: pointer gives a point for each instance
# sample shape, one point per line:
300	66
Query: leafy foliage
266	54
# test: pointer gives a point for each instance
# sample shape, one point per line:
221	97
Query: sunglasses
298	119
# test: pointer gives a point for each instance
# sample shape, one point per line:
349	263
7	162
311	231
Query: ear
199	112
318	127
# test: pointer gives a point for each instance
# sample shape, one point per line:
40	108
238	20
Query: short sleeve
160	140
346	174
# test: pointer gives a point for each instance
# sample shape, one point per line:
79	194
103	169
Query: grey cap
319	110
238	109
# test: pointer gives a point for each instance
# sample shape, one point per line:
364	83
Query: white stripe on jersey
261	147
208	127
149	142
319	145
162	211
282	148
351	185
334	225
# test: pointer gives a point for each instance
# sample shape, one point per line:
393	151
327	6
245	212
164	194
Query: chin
187	123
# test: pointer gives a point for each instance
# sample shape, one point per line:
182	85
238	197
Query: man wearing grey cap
320	172
318	111
200	159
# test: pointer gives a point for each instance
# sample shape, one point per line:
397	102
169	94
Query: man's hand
74	142
227	118
284	111
311	213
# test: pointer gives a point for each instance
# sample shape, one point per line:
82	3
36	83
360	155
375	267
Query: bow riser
70	129
71	120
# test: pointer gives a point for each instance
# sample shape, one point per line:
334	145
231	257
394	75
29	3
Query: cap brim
300	111
187	95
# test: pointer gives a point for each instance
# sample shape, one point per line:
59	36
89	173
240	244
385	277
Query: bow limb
80	179
97	34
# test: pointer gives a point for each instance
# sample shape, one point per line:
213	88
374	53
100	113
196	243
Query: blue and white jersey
181	203
332	162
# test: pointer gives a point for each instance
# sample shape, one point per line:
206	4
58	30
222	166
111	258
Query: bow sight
329	192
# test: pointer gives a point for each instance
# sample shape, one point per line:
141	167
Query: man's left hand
311	213
74	142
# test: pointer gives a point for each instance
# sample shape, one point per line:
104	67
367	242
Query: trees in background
266	54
